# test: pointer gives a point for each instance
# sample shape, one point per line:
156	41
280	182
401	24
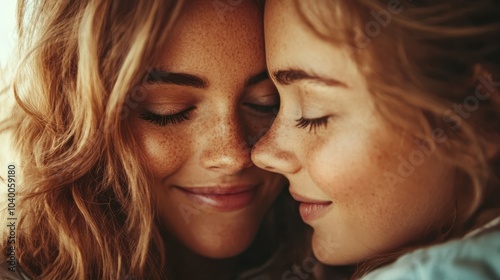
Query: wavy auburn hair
86	210
421	59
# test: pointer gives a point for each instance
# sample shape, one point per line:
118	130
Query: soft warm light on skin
211	147
346	161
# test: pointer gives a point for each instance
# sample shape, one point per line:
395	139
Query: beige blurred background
7	28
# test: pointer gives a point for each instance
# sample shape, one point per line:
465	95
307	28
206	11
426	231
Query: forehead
216	21
291	43
207	33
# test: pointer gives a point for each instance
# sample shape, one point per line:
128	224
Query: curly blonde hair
430	67
85	210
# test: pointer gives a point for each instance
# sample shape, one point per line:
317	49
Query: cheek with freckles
163	149
369	215
350	172
164	152
344	166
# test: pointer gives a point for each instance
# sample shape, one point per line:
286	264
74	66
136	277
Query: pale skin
338	154
226	106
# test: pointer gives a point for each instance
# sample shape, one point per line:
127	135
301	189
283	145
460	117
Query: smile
311	209
227	198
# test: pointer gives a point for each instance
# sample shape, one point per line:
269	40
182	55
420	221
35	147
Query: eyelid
266	103
264	92
267	99
166	108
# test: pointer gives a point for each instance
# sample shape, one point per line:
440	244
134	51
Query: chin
214	234
326	250
330	252
218	237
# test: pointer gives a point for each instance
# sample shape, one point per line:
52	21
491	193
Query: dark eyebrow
182	79
257	78
289	76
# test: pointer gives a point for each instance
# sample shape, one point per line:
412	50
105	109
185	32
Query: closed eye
266	109
312	124
163	120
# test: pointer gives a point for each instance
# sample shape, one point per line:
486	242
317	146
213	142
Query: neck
189	265
182	263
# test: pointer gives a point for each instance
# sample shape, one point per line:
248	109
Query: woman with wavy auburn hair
133	122
389	132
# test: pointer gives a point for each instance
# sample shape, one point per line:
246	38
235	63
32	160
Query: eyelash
163	120
312	124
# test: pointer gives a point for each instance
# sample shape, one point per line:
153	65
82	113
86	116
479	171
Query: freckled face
207	100
343	160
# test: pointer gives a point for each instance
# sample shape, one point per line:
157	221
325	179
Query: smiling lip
311	209
222	198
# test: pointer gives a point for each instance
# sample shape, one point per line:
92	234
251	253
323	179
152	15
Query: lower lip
226	202
311	211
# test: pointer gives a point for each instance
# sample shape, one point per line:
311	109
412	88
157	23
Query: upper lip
304	199
219	189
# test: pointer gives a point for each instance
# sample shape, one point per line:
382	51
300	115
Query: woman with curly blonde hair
133	122
389	132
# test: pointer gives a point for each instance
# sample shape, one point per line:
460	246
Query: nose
227	150
274	151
